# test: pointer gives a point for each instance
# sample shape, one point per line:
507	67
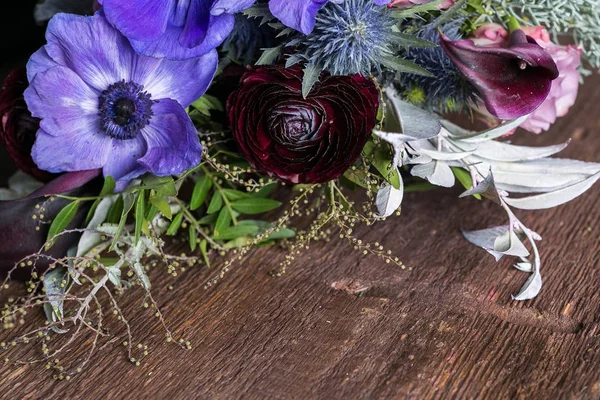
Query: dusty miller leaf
389	199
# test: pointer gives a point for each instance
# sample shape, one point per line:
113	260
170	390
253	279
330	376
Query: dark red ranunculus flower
17	126
299	140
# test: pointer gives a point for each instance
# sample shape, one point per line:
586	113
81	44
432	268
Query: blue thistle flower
448	90
349	38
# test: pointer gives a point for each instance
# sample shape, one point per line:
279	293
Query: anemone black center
125	109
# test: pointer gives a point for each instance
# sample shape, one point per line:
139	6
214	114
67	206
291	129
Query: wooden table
445	329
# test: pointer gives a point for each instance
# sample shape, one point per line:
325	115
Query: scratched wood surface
445	329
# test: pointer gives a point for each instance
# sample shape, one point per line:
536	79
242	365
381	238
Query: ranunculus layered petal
296	139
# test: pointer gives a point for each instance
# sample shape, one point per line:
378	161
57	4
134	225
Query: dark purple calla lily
18	235
513	81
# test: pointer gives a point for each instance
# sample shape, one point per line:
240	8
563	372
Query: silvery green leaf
109	229
486	239
269	55
91	238
389	199
19	185
445	155
55	291
511	245
114	275
140	272
312	72
416	122
437	173
486	188
421	159
524	266
553	199
484	136
531	288
500	151
48	8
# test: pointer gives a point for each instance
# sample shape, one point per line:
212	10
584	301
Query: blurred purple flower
514	80
104	106
21	235
301	14
175	29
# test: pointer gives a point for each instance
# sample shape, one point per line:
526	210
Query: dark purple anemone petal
173	143
230	6
196	24
512	81
151	17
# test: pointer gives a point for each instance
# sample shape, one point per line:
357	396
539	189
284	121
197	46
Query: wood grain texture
445	329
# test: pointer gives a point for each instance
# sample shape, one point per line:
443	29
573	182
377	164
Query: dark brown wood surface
447	328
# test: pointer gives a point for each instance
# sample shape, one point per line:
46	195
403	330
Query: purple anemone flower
102	105
513	81
301	14
175	29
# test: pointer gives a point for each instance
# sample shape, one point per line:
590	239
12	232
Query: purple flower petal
169	45
152	17
512	81
124	165
184	81
196	24
90	47
63	100
79	151
173	144
230	6
298	14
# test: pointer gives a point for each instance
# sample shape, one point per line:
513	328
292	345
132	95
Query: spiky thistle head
447	90
350	37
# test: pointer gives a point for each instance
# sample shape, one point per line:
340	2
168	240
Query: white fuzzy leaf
389	199
500	151
531	288
437	173
486	238
553	199
510	245
91	238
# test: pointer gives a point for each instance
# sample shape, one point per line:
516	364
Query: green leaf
409	12
311	76
269	55
61	221
193	237
114	214
465	179
164	185
223	221
204	251
406	40
128	202
209	219
140	214
162	205
383	162
234	195
175	225
201	189
281	233
235	232
254	205
215	203
402	65
109	186
266	190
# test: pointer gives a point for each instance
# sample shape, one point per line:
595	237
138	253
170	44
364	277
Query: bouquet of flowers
228	124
